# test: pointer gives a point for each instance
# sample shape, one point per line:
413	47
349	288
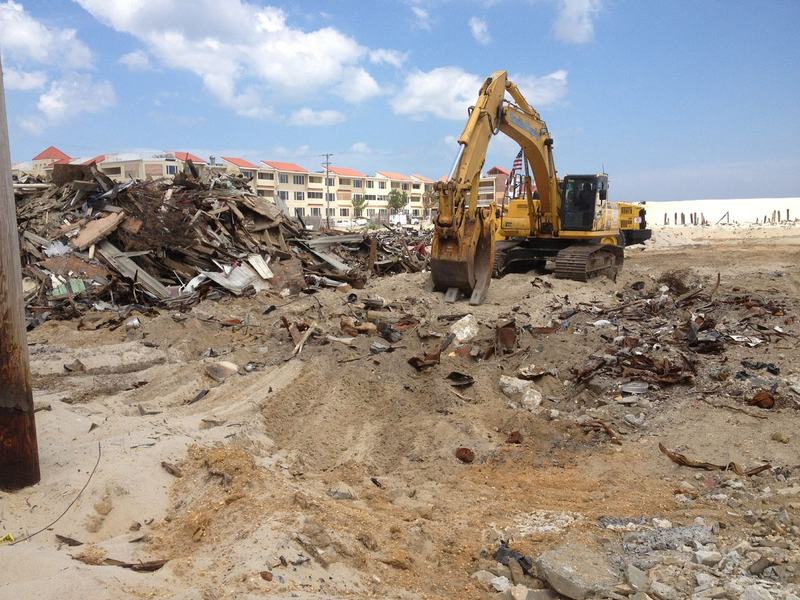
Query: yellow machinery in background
570	222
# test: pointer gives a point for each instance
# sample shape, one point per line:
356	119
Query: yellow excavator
571	222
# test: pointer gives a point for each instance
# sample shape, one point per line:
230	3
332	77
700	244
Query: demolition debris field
616	438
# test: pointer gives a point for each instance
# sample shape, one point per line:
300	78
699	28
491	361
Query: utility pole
19	453
327	194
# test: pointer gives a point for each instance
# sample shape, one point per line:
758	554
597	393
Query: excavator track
580	262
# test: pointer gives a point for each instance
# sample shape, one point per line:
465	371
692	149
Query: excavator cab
581	199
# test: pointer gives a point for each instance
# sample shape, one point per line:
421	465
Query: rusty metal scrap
682	460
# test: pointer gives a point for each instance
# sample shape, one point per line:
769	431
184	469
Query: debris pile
89	242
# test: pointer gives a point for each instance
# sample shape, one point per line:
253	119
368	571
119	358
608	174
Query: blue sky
674	99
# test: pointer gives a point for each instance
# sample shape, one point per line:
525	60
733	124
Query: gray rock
500	584
484	578
341	491
576	571
542	595
517	592
637	578
705	581
517	575
640	596
755	592
662	591
644	542
707	557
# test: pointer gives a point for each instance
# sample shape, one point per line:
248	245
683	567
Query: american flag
517	164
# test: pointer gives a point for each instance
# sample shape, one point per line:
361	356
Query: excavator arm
463	248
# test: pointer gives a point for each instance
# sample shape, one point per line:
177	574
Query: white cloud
575	21
23	38
307	116
282	152
73	94
542	91
422	18
22	80
64	61
136	60
247	56
361	148
480	30
450	140
447	92
394	58
357	86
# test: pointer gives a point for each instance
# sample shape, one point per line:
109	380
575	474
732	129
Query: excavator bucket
464	261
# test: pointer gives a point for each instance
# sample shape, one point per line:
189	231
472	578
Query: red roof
51	153
184	156
498	171
346	172
97	160
239	162
421	178
390	175
284	166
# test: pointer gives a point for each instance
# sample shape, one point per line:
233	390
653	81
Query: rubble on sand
87	241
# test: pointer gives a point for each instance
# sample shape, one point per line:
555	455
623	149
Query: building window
283	195
312	179
381	198
370	212
330	181
299	179
382	185
344	212
248	174
405	186
357	212
300	211
316	211
369	197
415	212
357	196
262	193
331	212
382	213
112	170
172	169
299	196
262	175
315	195
331	197
370	184
415	186
283	178
344	182
358	183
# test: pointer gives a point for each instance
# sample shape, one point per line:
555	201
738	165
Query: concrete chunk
576	571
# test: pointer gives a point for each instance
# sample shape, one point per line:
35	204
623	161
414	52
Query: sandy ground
264	454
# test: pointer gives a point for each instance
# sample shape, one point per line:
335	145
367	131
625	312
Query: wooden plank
96	230
132	225
127	268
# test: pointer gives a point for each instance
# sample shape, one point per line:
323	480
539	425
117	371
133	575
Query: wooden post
19	453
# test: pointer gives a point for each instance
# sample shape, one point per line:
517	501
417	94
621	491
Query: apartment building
287	184
313	195
45	159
